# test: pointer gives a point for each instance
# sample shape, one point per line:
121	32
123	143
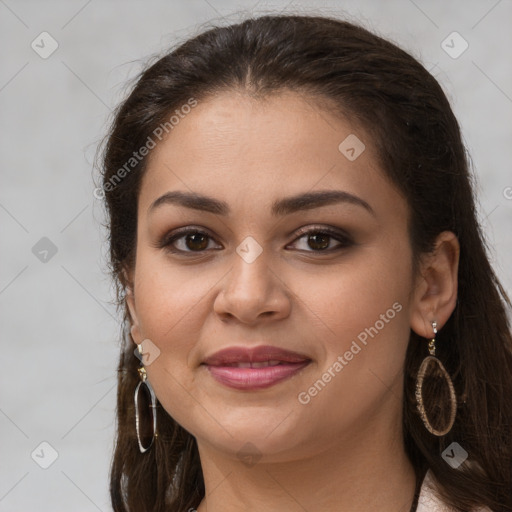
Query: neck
369	470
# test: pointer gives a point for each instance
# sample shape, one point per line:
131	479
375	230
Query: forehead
249	151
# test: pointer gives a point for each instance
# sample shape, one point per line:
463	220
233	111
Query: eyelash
344	239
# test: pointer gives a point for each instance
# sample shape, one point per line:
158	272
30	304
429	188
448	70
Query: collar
429	501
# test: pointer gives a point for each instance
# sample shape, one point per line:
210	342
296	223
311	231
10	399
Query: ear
435	294
130	302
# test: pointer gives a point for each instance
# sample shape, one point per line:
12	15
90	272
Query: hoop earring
149	389
432	360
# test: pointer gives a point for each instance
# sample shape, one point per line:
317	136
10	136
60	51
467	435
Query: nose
253	291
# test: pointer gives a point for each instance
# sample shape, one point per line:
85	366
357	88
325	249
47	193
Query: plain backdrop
59	329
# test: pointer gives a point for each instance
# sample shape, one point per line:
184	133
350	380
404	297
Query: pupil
315	239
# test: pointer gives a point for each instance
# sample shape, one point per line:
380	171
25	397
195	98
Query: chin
265	435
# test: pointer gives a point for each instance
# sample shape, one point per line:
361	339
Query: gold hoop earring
152	406
434	376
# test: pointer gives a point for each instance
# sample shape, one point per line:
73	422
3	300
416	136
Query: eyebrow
281	207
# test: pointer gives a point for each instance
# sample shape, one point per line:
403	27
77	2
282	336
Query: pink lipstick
254	368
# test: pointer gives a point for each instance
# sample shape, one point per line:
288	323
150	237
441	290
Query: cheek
361	315
167	296
371	287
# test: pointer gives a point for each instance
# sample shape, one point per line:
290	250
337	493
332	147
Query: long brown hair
402	106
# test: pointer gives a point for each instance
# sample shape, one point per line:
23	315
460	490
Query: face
327	277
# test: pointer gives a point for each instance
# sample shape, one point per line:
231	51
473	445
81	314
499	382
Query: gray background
58	326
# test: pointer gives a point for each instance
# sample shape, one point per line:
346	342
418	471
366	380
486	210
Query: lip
261	353
283	364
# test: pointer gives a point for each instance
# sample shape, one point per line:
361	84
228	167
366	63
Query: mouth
257	368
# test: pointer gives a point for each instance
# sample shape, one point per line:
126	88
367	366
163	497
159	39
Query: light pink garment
429	502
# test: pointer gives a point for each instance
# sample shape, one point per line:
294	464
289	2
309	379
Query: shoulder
429	501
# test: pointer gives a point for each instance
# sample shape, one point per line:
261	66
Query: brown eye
196	241
319	240
186	241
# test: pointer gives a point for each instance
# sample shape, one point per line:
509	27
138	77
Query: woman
312	319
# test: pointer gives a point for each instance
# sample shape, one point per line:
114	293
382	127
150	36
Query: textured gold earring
432	384
149	435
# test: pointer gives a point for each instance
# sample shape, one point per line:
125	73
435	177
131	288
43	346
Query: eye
189	240
319	239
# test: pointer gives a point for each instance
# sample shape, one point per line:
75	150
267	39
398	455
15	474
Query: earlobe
435	295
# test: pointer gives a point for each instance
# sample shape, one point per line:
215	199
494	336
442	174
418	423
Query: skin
343	450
